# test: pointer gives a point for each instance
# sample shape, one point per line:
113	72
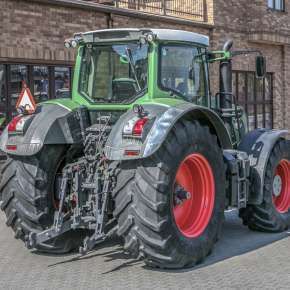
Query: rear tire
273	214
144	199
3	159
27	190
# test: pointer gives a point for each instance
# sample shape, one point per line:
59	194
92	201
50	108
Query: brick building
32	34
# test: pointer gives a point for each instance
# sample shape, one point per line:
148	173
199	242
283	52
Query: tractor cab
118	68
121	66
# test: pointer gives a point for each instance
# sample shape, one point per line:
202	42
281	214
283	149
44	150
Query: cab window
183	72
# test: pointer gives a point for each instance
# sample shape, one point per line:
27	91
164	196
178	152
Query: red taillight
139	126
12	125
19	124
134	127
11	147
132	152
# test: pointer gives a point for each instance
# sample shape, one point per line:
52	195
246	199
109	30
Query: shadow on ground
236	240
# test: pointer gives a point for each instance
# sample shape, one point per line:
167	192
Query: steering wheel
124	88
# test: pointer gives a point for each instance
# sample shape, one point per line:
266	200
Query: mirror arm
213	56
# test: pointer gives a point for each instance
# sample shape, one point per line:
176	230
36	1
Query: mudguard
163	118
51	124
258	144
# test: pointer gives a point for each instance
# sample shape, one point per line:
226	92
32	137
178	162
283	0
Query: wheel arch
164	120
52	124
258	144
204	115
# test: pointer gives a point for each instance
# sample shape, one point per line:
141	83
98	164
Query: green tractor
143	151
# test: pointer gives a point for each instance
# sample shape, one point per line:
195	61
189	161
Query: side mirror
261	66
228	45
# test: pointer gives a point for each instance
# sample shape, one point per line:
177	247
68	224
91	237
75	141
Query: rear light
131	152
139	126
135	126
19	124
11	147
12	125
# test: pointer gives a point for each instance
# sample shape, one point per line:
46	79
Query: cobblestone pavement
242	259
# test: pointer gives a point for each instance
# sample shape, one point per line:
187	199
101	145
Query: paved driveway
242	259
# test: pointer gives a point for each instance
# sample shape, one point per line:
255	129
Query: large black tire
27	189
3	159
1	165
144	197
265	217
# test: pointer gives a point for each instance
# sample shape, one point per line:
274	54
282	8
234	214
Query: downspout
110	20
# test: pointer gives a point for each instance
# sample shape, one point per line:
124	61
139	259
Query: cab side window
182	71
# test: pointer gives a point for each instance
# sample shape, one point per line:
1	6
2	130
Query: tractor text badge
25	102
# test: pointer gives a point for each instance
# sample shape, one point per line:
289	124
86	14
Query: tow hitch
85	194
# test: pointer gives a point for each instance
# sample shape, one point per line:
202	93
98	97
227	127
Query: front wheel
170	207
273	214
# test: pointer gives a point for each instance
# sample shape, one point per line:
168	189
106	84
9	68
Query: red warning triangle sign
26	99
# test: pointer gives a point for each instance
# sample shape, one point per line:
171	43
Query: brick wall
125	21
252	25
37	31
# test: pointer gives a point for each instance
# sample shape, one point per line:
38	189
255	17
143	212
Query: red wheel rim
281	196
195	176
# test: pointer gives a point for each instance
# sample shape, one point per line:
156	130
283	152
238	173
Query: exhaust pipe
226	79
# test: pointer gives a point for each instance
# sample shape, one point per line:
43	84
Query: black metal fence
256	97
189	9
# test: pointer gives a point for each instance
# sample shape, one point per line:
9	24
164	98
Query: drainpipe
110	20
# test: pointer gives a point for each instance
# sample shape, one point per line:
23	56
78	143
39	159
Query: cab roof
127	34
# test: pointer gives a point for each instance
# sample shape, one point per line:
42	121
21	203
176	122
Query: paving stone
241	260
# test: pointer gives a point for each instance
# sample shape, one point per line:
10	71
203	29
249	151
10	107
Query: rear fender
51	124
258	144
164	118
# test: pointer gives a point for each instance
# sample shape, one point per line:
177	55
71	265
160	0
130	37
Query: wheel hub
281	187
277	185
180	195
194	195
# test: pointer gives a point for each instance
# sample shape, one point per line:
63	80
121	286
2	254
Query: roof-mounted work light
72	42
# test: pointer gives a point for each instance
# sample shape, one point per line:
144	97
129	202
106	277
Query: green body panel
66	103
168	101
2	121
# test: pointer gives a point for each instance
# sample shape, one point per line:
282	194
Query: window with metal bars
277	5
256	97
45	82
